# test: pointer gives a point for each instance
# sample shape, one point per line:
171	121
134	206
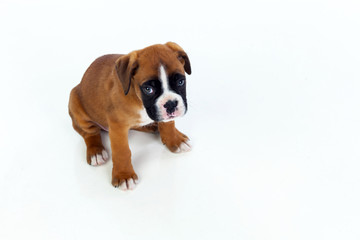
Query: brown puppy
143	90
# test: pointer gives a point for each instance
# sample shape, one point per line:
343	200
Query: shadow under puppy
143	90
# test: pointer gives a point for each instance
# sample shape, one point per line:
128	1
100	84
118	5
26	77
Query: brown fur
109	96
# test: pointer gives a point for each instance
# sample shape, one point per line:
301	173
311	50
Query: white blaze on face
164	79
168	95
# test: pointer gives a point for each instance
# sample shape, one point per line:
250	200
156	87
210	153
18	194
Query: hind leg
95	151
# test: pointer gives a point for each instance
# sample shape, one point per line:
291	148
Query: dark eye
181	82
148	90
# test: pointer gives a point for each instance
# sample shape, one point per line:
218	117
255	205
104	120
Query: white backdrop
274	118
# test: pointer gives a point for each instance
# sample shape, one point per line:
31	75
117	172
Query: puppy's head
157	76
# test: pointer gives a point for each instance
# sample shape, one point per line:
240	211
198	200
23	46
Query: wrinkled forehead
149	68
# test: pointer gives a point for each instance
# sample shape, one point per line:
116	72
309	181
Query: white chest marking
144	118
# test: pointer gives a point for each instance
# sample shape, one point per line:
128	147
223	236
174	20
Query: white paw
184	147
128	184
99	159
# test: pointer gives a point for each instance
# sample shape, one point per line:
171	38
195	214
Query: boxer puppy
144	90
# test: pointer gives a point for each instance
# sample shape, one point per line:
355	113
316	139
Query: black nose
170	106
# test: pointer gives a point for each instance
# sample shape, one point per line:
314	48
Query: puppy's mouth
168	110
170	116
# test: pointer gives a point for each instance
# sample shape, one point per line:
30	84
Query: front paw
177	142
124	181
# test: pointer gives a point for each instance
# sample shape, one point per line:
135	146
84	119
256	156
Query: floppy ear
182	56
125	67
